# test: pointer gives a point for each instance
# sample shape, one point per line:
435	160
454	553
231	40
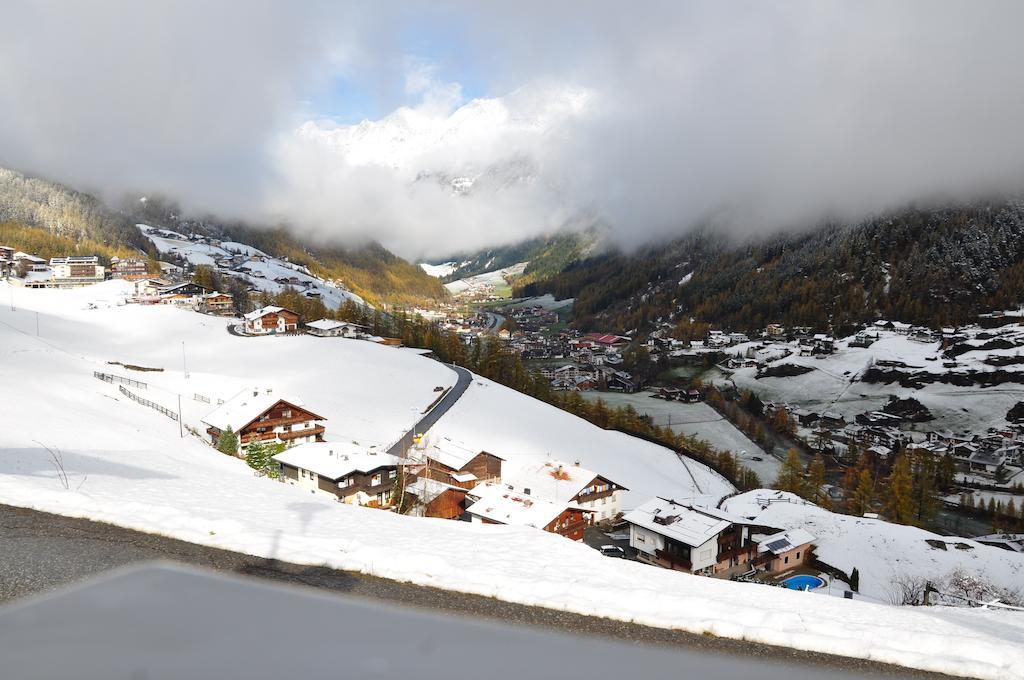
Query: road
430	419
39	552
494	322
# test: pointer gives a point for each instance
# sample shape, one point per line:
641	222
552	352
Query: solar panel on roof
779	545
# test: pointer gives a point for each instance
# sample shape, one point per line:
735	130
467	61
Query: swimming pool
803	582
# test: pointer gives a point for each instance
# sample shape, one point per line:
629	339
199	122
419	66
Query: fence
106	377
146	402
199	397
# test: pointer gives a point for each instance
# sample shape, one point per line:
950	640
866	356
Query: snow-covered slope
836	384
438	270
489	283
262	272
883	553
126	464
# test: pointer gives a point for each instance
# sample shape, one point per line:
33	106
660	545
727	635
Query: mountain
46	218
934	266
369	270
49	219
545	256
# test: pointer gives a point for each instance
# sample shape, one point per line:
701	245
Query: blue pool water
803	582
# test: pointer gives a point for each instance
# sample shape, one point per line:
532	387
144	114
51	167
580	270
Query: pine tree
855	580
815	482
791	475
227	442
863	498
899	504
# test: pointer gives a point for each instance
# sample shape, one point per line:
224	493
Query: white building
329	328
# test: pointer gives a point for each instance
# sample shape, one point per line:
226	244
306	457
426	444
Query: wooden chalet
456	466
259	415
499	504
270	320
353	474
569	486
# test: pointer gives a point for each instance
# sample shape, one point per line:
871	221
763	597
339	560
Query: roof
263	311
500	504
246	407
551	480
784	541
335	460
453	454
688	523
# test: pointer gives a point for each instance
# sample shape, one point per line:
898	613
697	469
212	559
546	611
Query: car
612	551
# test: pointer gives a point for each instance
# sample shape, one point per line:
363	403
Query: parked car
612	551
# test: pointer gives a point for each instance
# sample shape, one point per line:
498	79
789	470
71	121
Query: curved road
433	415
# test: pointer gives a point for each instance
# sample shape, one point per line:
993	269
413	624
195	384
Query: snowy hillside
492	283
837	381
883	553
438	271
261	271
125	463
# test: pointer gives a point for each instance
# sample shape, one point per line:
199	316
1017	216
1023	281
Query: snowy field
701	421
126	464
834	383
270	268
883	553
546	301
495	282
438	271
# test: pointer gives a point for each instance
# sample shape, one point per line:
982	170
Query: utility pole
181	430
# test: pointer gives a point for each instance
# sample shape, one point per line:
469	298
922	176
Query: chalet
431	498
689	537
130	268
863	339
450	463
621	381
353	474
832	420
566	485
148	289
269	320
672	393
329	328
217	303
692	395
499	504
606	340
171	270
804	417
187	294
259	415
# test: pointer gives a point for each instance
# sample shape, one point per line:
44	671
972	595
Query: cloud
748	116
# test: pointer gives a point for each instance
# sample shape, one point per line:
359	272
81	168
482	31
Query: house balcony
282	436
671	561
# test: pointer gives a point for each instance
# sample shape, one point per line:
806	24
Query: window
375	480
392	474
798	555
286	414
302	473
786	560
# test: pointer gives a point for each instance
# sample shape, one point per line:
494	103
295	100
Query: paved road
494	322
430	419
39	551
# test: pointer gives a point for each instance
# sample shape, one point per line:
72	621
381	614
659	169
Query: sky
456	125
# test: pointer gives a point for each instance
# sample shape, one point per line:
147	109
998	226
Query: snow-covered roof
784	541
552	480
335	460
263	311
246	407
497	503
687	523
328	324
451	453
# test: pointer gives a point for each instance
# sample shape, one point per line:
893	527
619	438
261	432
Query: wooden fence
146	402
106	377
